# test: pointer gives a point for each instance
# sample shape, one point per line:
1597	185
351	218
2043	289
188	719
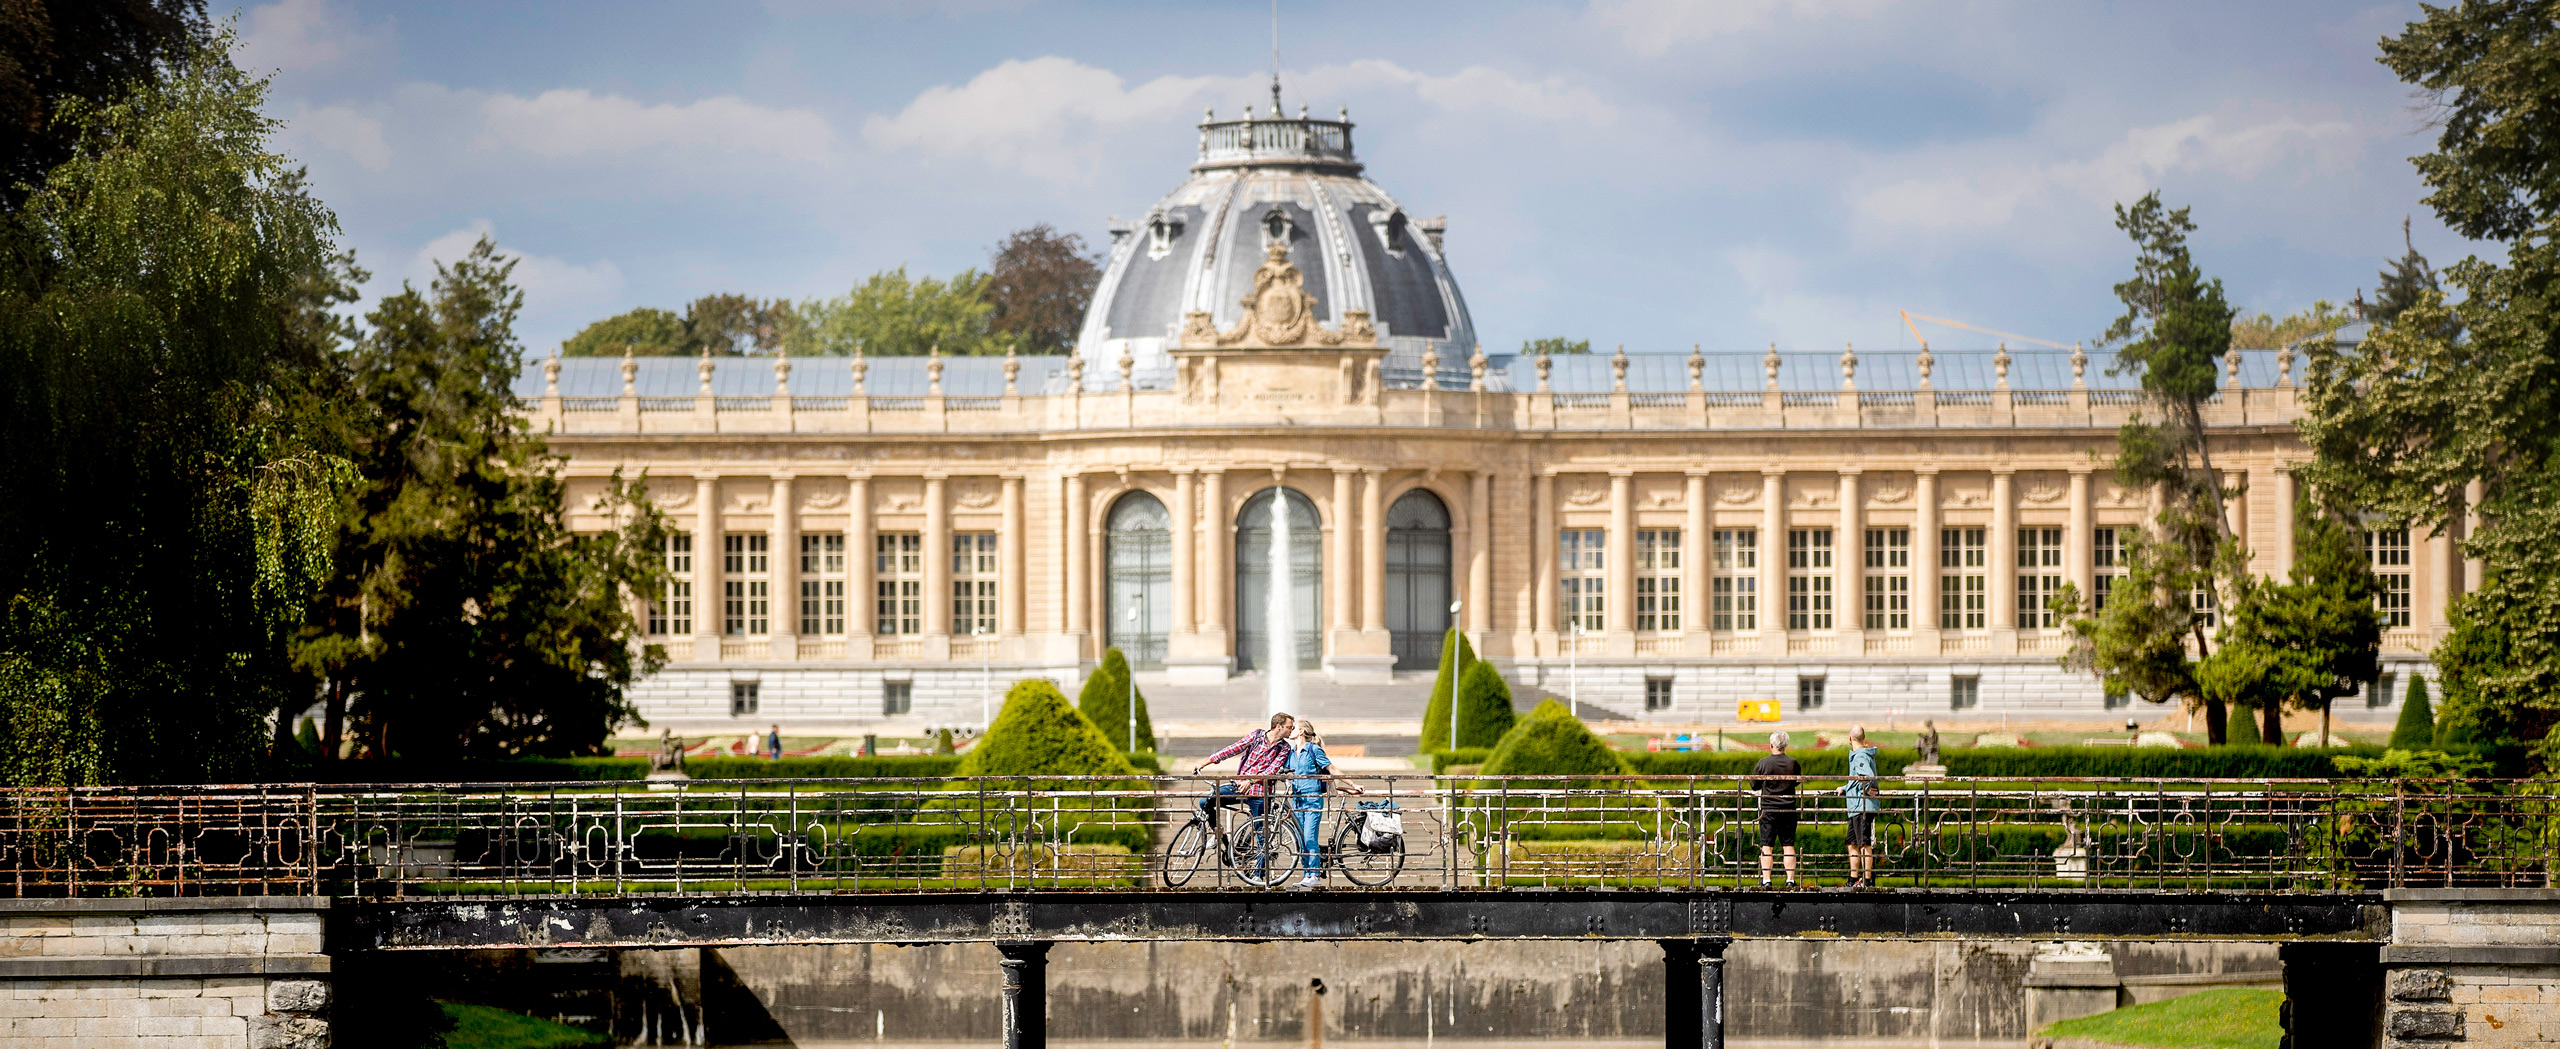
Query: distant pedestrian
1774	778
773	744
1861	792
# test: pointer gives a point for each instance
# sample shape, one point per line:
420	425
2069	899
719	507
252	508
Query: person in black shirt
1777	806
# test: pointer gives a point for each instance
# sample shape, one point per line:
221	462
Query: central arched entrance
1417	580
1138	595
1253	578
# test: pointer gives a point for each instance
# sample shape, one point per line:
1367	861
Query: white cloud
1653	27
344	130
2134	164
570	122
1775	281
296	35
1043	115
553	287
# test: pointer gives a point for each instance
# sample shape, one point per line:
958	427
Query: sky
1646	173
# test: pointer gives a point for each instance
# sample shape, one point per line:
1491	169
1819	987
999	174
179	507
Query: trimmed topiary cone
1435	714
1105	701
1038	734
2416	729
1484	706
1552	742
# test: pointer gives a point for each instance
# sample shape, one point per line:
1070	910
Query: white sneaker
1308	882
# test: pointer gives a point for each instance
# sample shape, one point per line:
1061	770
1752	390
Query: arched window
1253	579
1417	578
1139	589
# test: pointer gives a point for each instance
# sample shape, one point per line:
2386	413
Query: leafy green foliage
2492	68
2416	729
57	52
2399	763
1454	652
723	325
647	331
1554	345
1105	702
2035	762
1551	741
2409	278
1038	287
2267	332
877	767
891	314
164	298
2304	642
1484	706
482	1027
1038	734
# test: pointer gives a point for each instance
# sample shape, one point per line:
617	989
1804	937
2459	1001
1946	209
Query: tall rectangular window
897	566
822	585
1809	693
2378	694
1888	579
1964	693
1736	579
742	699
1584	578
2388	551
672	613
2106	565
1964	593
973	583
1809	579
2039	576
1658	580
897	697
746	566
2206	605
1657	693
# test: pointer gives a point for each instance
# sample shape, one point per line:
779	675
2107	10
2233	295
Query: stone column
784	534
2472	568
1850	561
858	554
1618	611
1924	558
1773	561
1076	576
2235	508
1479	618
1219	537
2076	543
2441	567
1694	600
1186	517
937	558
1542	558
1345	585
1373	553
2004	554
708	602
2287	493
1009	556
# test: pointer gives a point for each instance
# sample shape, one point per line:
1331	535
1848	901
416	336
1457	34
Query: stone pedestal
1924	772
2067	981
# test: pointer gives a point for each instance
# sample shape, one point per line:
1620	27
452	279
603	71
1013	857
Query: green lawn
481	1027
2231	1018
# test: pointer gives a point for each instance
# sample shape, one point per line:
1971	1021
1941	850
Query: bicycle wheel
1189	850
1360	865
1258	850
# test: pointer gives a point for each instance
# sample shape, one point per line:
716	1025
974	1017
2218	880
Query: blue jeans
1227	793
1310	814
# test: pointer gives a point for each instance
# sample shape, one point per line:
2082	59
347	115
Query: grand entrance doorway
1253	578
1138	545
1417	580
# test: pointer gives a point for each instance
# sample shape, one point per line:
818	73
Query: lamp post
1132	737
1457	673
986	677
1573	671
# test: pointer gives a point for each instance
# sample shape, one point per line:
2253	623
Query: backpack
1381	827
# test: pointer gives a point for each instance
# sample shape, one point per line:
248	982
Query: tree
1038	734
2266	332
1454	653
733	325
1039	285
1484	706
2416	729
80	51
647	331
2492	68
2304	642
890	315
1552	742
1558	346
2409	277
469	619
164	322
1105	701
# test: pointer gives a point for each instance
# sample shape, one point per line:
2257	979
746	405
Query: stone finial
551	375
1926	363
1012	370
1618	370
1430	365
1848	366
2231	365
782	373
1769	365
1075	374
630	373
933	371
2000	366
1546	364
704	370
1128	367
1475	370
1697	369
2284	366
861	368
2079	364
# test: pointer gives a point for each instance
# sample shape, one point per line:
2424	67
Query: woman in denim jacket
1307	763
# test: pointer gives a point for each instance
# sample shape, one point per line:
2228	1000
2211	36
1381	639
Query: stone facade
244	973
2472	967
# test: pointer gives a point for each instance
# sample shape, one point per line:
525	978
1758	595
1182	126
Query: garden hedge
2036	762
518	770
885	766
1552	742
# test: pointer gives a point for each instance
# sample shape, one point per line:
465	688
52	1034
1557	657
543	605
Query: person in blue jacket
1863	806
1308	768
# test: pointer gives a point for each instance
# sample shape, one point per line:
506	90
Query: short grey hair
1778	741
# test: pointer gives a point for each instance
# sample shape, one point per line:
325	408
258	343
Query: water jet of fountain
1280	684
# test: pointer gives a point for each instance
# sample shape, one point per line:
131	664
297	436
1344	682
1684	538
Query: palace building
872	541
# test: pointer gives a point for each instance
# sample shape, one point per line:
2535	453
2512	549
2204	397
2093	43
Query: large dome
1257	179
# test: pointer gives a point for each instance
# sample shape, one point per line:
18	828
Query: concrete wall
164	974
2473	967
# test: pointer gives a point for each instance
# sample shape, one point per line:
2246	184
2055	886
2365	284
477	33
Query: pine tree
1454	650
1105	700
1484	706
2416	729
2408	278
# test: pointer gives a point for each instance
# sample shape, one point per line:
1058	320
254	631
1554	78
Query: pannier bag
1381	827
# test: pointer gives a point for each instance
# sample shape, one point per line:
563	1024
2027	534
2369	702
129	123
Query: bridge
2358	880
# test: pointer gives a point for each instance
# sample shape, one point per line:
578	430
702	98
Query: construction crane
1908	317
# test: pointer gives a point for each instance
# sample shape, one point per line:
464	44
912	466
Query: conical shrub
1038	734
1105	702
1483	706
1552	742
2416	729
1435	714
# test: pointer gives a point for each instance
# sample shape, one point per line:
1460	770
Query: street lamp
1457	673
1133	672
1573	670
986	676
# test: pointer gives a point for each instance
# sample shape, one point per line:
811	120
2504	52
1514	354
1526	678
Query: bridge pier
1693	993
1026	994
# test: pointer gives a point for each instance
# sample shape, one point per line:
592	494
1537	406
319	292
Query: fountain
1280	687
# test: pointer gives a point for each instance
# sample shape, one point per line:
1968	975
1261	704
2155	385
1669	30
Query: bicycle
1362	865
1251	848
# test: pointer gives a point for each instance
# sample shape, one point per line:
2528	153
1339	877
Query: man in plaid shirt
1266	754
